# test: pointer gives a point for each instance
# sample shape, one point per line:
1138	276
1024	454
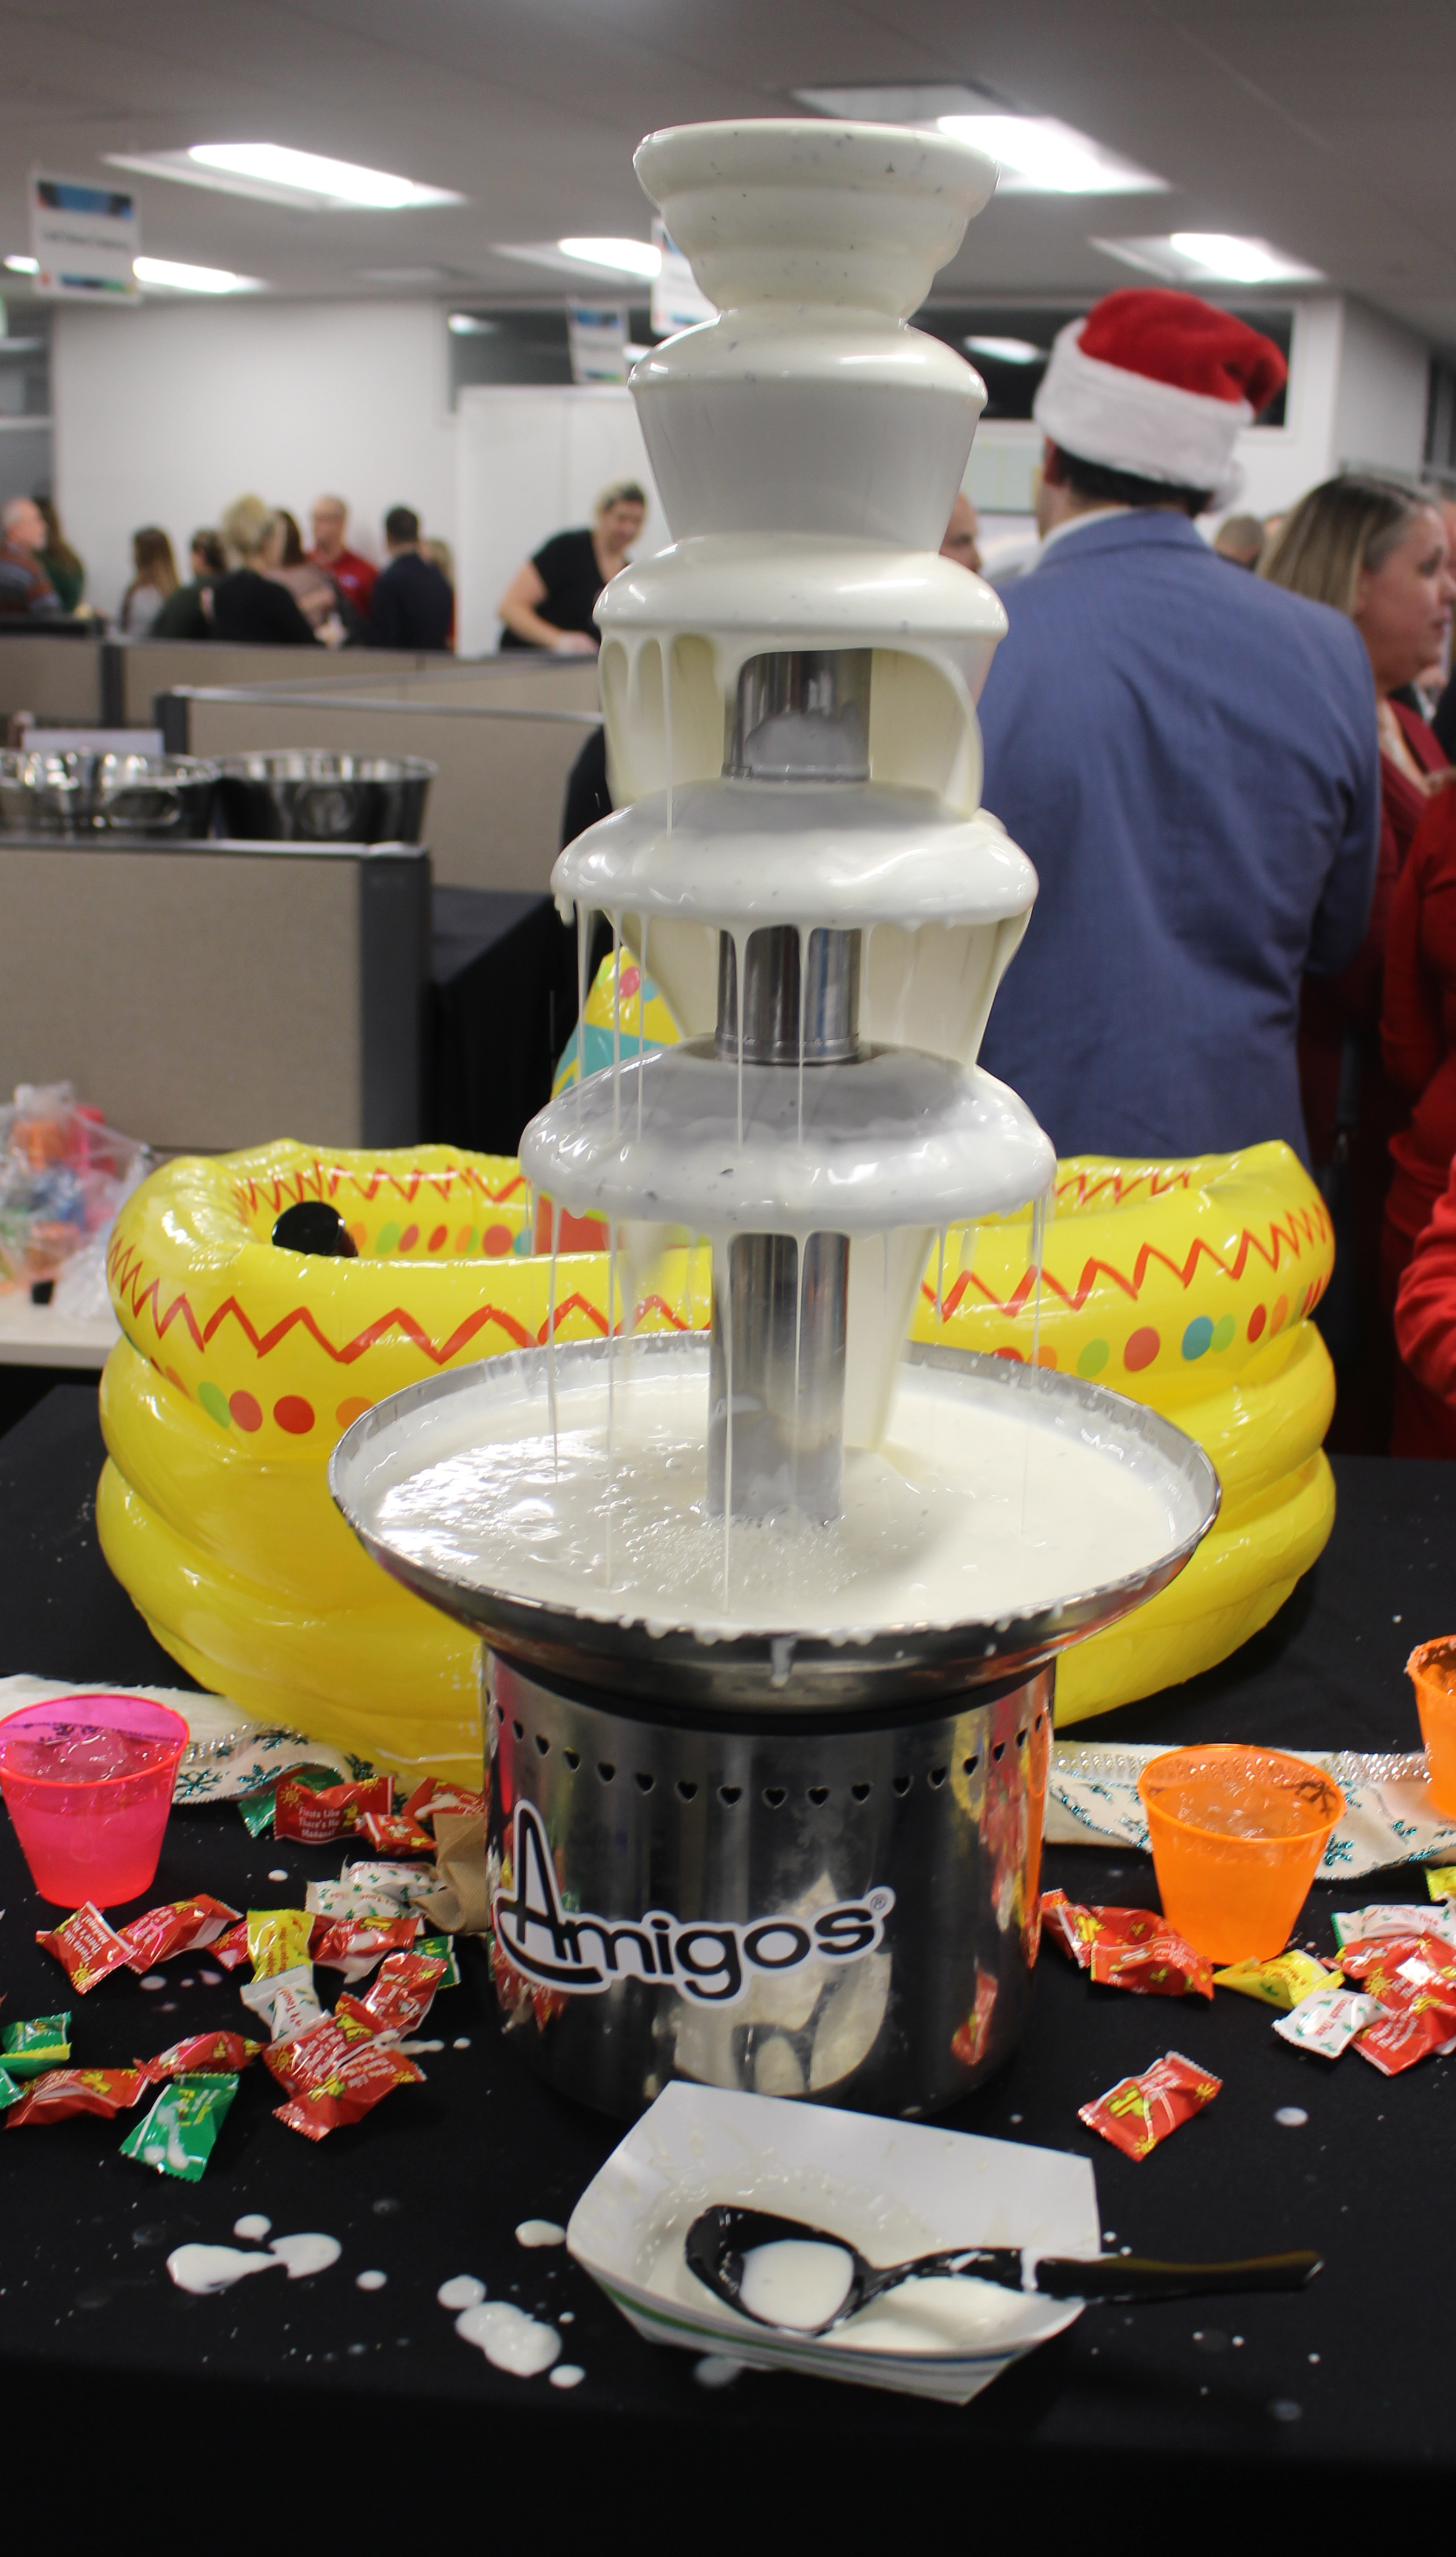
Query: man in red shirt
355	576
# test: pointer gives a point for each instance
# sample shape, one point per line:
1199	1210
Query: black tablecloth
504	1002
1319	2409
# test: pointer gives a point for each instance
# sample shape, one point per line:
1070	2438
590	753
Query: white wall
166	414
1356	396
1380	404
530	463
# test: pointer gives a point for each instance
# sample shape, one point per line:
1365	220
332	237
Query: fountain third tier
771	1613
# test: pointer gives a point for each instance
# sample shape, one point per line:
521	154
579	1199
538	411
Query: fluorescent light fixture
1038	155
1041	157
23	265
152	272
465	324
1211	257
274	175
1007	351
626	258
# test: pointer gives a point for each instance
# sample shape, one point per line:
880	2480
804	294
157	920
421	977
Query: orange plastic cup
1432	1669
1237	1836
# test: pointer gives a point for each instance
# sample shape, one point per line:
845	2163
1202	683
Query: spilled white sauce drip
540	2232
253	2225
207	2270
462	2291
373	2280
567	2374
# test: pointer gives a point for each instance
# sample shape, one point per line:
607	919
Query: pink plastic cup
87	1782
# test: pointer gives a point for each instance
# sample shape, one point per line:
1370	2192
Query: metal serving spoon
721	2239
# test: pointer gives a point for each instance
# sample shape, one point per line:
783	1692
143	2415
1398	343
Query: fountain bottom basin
765	1901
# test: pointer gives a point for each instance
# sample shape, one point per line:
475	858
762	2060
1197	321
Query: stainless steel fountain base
760	1901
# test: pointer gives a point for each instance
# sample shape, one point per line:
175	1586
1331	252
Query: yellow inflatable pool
1187	1286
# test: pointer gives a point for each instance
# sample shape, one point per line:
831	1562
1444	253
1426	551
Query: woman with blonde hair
550	600
248	605
1377	552
154	580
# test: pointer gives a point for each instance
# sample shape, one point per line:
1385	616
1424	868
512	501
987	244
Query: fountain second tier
770	1614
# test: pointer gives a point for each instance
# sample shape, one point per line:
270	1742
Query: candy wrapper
232	1948
439	1948
11	2091
86	1948
63	2092
315	1817
278	1940
1414	1978
44	2043
434	1795
286	2001
1440	1881
1362	1925
335	2074
257	1809
1287	1981
178	1926
399	1998
395	1834
401	1883
177	2137
1418	2032
1328	2020
201	2055
1139	2111
1126	1949
343	1945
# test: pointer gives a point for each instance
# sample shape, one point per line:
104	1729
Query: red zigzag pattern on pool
321	1180
1312	1222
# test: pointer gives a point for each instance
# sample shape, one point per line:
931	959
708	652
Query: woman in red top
1418	1036
1379	553
1426	1335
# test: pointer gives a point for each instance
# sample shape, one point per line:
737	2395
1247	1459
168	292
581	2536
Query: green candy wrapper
439	1948
178	2134
257	1809
43	2043
11	2091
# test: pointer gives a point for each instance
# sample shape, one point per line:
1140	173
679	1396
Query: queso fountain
770	1613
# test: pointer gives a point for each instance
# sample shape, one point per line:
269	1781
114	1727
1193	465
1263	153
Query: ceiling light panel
1038	155
171	275
1007	351
629	260
272	173
1211	257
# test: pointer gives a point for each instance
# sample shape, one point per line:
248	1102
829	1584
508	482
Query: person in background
1188	757
154	580
963	534
187	615
1377	552
1443	684
413	606
65	570
25	592
550	603
1418	1040
1425	1338
248	605
1240	538
444	559
352	574
312	592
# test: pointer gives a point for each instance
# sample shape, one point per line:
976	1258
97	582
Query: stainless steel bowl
303	797
77	794
777	1670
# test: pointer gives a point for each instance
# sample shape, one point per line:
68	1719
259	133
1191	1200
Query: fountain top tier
798	856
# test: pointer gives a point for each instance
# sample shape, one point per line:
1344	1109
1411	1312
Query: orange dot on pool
351	1410
245	1412
1046	1358
1256	1322
358	1235
1282	1309
496	1241
464	1238
409	1237
293	1415
1006	1350
437	1239
1142	1348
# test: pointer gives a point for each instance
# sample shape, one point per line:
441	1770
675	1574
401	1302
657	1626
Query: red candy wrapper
201	2055
178	1926
334	2073
1163	1966
63	2092
1126	1949
86	1948
395	1834
970	2039
1139	2111
353	1945
231	1949
432	1796
401	1997
1414	1978
315	1819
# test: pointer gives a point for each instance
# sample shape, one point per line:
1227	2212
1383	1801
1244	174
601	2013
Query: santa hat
1158	384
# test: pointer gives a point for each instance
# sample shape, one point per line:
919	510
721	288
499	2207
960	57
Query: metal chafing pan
300	796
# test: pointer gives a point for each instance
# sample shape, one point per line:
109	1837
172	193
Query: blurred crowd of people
250	578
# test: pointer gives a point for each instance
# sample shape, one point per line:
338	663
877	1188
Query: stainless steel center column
779	1353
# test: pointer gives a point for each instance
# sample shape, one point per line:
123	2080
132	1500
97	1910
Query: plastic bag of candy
63	1173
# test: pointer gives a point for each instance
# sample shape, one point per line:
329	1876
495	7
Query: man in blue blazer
1190	759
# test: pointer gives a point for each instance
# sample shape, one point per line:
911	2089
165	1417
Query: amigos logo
704	1960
